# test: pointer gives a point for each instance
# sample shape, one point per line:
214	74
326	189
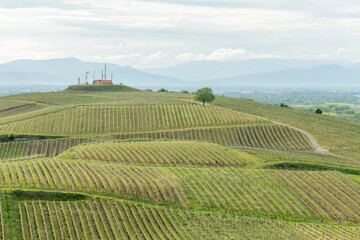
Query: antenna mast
105	71
86	76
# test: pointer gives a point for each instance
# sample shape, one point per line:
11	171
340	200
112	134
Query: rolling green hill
141	165
100	88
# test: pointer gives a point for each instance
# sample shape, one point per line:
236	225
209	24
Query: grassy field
100	88
122	164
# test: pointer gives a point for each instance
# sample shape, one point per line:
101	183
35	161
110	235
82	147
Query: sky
160	33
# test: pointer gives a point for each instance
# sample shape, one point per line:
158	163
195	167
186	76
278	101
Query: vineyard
267	136
113	219
160	153
131	164
21	150
114	119
8	105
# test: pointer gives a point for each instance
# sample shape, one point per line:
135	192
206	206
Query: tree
204	95
184	91
318	111
162	90
283	105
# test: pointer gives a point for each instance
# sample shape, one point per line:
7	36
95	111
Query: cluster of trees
336	110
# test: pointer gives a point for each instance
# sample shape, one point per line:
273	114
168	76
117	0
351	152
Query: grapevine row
44	148
118	119
130	182
267	136
329	195
159	153
245	191
112	219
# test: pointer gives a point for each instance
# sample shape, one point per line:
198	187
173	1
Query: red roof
103	82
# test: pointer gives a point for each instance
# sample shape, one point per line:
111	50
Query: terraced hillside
263	136
113	119
139	165
160	153
21	150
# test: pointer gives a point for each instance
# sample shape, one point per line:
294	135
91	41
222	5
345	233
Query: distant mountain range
319	77
246	73
67	70
205	70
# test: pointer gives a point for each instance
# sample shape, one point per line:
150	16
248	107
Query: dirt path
13	109
316	145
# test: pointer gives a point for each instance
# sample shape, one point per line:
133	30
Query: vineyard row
159	153
129	182
110	219
116	119
267	136
44	148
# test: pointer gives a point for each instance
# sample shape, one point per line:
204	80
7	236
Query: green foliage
184	91
318	111
21	195
204	95
335	110
162	90
283	105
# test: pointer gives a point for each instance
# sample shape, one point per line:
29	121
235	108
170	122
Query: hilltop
100	88
130	164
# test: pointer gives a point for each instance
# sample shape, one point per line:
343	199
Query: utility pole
78	80
102	75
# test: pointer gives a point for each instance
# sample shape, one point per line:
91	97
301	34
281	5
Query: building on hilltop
103	77
99	82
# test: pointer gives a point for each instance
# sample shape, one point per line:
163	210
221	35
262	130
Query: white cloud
225	53
263	55
95	29
156	56
339	51
218	55
124	56
185	56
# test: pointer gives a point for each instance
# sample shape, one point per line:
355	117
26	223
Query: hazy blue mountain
204	70
67	70
323	76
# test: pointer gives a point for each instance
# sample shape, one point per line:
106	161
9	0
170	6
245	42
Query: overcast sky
156	33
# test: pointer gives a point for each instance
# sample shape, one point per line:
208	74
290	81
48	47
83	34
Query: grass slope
338	135
100	88
141	186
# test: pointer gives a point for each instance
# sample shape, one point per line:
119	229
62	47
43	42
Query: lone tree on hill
204	95
318	111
